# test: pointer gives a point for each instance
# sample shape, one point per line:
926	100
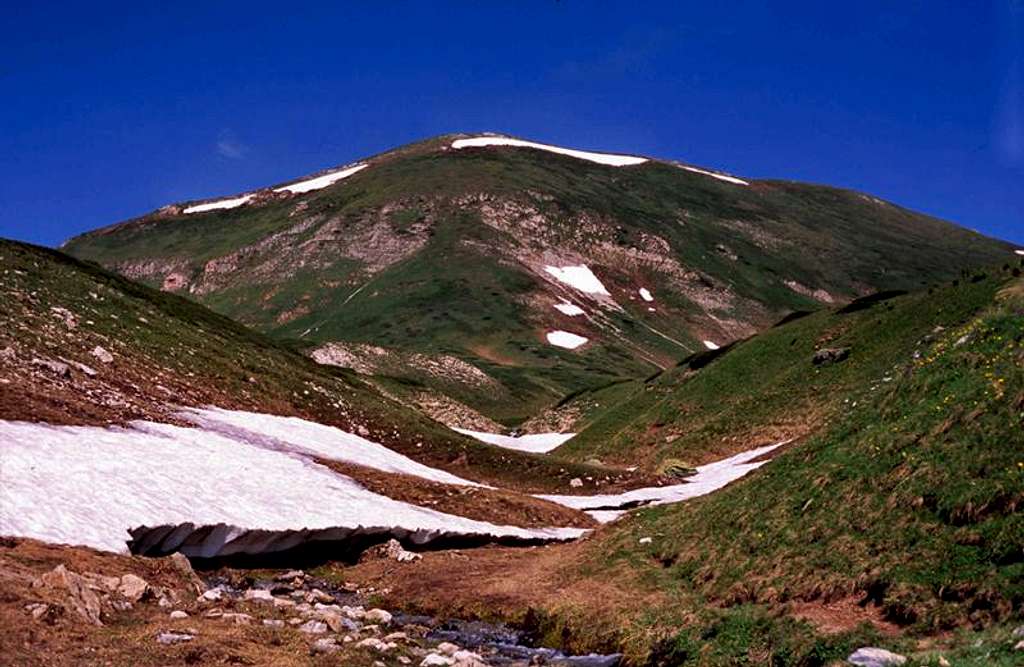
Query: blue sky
109	111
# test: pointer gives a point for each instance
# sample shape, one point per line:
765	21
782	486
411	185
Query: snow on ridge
646	295
710	477
537	443
321	182
610	159
1019	251
570	309
220	203
54	489
711	345
578	277
714	174
569	341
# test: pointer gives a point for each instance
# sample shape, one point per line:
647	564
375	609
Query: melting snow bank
721	177
569	341
578	277
1019	252
601	158
537	443
711	345
204	493
320	182
570	309
221	203
708	478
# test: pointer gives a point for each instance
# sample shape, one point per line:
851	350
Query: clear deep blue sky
111	111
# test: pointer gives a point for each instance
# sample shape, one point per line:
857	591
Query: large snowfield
610	159
90	485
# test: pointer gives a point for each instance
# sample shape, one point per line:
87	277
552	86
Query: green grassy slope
909	503
440	251
767	389
169	351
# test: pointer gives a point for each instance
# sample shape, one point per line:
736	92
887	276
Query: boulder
870	656
82	599
182	564
378	616
437	660
178	614
325	645
101	354
830	355
133	588
313	627
259	595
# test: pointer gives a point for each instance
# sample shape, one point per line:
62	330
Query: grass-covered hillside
441	251
81	345
768	388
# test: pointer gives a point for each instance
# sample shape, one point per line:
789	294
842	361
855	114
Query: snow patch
721	177
221	203
708	478
570	309
537	443
578	277
610	159
1019	252
89	485
645	294
570	341
711	345
321	181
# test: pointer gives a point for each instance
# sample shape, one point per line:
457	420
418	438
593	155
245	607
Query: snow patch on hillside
610	159
721	177
569	341
646	295
1019	252
292	434
89	485
578	277
570	309
708	478
321	181
537	443
220	203
711	345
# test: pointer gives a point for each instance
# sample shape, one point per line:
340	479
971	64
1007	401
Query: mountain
488	277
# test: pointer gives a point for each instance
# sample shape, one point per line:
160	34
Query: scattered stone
325	645
101	354
57	368
174	637
317	595
259	595
181	562
273	622
396	637
283	602
830	355
378	616
1019	646
237	618
448	648
376	644
178	614
575	482
870	656
645	540
290	575
393	550
468	659
313	627
212	595
214	613
1018	631
338	623
82	598
8	354
436	660
65	315
82	368
404	659
133	588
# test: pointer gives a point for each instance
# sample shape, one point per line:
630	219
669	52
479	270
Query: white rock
645	540
259	595
468	659
173	637
448	648
870	656
132	587
378	616
212	595
435	660
273	622
575	482
313	627
101	354
325	645
178	614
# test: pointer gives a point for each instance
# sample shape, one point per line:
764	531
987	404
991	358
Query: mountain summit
505	274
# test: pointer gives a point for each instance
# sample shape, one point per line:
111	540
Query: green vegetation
400	254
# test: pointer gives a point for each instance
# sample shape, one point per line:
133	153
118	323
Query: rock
290	574
83	600
375	644
133	588
1018	631
57	368
82	368
182	564
1019	646
259	595
870	656
355	613
830	355
313	627
212	595
101	354
396	637
174	637
178	614
436	660
283	602
448	648
378	616
237	618
338	623
325	645
404	660
65	315
575	482
8	354
468	659
214	613
393	550
317	595
645	540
